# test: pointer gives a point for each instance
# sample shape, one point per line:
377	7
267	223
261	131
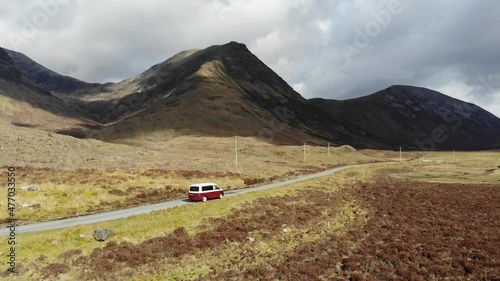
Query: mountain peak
236	45
226	90
231	48
42	76
405	94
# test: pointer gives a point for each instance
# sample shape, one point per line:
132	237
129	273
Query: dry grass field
432	217
387	222
459	167
78	177
44	255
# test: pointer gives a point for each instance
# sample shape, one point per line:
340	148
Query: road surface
145	209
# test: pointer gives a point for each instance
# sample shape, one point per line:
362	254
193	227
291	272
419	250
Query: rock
126	239
82	235
102	234
54	242
30	188
251	239
285	230
36	206
63	277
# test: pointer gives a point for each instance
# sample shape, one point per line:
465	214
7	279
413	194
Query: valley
221	115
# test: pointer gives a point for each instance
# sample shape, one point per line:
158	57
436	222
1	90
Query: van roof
203	184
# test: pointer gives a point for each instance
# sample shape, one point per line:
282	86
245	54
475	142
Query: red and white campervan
205	191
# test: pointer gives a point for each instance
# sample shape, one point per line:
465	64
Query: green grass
142	227
477	167
69	192
459	167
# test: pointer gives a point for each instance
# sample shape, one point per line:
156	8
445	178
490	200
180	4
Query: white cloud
301	88
444	45
324	25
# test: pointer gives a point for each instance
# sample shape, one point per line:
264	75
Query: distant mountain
24	103
226	91
416	118
8	71
46	78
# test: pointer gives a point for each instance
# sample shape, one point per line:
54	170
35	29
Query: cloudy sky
323	48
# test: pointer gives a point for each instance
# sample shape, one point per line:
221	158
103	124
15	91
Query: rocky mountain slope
25	103
227	91
416	118
46	78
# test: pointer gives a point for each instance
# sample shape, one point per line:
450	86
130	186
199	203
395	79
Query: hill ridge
225	90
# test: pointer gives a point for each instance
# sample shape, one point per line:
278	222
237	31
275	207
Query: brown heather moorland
383	229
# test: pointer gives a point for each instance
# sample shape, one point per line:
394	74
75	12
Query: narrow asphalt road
145	209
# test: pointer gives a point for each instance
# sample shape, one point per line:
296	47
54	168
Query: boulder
102	234
36	206
30	188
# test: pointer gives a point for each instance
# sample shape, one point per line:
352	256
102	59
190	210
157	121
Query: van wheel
221	196
204	199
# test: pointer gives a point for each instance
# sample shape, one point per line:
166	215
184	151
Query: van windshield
194	188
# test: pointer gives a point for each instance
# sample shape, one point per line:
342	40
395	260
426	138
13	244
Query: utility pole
236	151
305	153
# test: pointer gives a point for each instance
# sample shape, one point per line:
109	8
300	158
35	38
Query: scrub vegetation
83	181
369	223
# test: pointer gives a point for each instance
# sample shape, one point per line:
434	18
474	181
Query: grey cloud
445	45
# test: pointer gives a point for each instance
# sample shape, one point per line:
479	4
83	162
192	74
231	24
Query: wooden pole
236	151
305	157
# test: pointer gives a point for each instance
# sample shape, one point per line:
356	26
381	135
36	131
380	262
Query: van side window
194	189
207	188
217	187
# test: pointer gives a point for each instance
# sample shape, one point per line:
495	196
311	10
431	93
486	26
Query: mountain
222	90
46	78
416	118
226	90
25	103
